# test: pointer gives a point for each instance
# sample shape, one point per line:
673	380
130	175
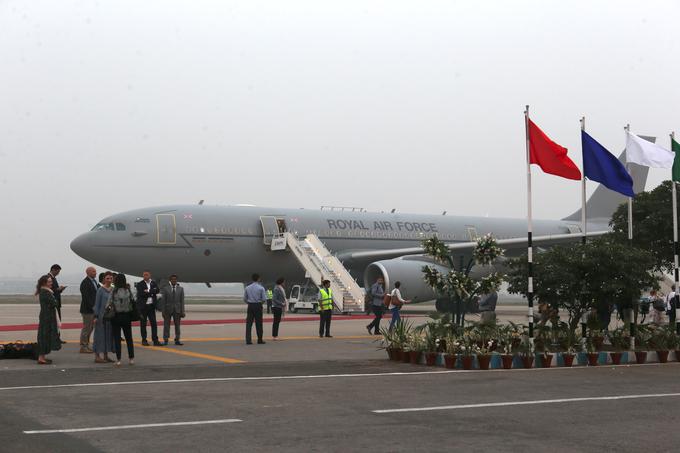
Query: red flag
551	157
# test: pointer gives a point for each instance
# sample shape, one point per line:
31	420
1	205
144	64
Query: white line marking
524	403
227	379
150	425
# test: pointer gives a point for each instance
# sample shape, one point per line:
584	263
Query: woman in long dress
48	331
103	332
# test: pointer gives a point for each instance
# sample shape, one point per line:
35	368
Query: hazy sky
111	105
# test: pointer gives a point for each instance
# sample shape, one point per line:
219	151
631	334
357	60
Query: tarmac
307	393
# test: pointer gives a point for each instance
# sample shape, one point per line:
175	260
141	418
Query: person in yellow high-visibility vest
325	309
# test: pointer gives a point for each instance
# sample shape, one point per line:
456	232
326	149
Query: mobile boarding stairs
320	264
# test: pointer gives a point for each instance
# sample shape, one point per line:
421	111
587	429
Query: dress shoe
369	330
329	336
179	343
261	342
145	343
158	343
165	342
249	342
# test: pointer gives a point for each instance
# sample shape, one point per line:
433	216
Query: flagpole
530	268
583	193
674	303
632	316
584	318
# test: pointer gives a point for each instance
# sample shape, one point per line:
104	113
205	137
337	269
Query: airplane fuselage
203	243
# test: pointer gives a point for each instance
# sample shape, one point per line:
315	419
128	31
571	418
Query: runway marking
525	403
197	355
229	379
149	425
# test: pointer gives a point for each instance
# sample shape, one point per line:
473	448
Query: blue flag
602	166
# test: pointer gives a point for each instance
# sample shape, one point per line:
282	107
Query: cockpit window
120	226
142	220
104	227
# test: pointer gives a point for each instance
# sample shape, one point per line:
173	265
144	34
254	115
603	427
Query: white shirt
669	299
395	294
149	299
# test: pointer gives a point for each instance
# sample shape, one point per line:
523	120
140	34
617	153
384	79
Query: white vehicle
303	299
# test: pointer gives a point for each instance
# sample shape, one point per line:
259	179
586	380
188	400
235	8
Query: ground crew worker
325	309
270	296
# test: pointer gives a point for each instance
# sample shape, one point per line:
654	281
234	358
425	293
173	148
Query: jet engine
409	271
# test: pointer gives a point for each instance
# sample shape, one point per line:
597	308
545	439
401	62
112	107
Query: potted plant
453	347
660	340
525	352
643	334
431	348
620	340
567	342
592	351
416	346
387	342
466	350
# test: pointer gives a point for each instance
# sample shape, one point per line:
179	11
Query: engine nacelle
408	271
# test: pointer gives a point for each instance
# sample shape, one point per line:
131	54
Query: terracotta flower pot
406	356
396	354
663	356
467	361
616	357
506	359
640	356
414	356
450	361
568	359
527	361
546	360
598	342
484	360
592	358
430	358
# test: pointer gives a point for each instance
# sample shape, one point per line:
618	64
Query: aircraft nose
81	245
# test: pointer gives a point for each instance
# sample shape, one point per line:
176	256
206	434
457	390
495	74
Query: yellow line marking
208	339
192	354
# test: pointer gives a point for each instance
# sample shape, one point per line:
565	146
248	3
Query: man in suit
147	291
88	294
56	289
171	305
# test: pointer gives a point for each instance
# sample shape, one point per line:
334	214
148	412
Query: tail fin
603	202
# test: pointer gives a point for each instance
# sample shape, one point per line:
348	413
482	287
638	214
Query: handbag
387	299
109	310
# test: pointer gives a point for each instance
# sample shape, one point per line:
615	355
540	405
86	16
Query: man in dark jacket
56	289
88	294
147	290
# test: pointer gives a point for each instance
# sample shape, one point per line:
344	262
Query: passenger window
120	226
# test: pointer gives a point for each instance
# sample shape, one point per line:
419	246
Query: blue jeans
395	317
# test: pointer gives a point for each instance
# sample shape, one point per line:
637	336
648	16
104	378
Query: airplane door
270	228
166	229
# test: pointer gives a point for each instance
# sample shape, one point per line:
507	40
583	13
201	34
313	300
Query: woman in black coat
48	331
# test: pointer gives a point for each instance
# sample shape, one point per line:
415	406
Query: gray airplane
204	243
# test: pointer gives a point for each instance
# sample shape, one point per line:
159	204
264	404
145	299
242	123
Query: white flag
642	152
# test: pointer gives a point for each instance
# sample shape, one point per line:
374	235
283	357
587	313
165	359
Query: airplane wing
513	243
